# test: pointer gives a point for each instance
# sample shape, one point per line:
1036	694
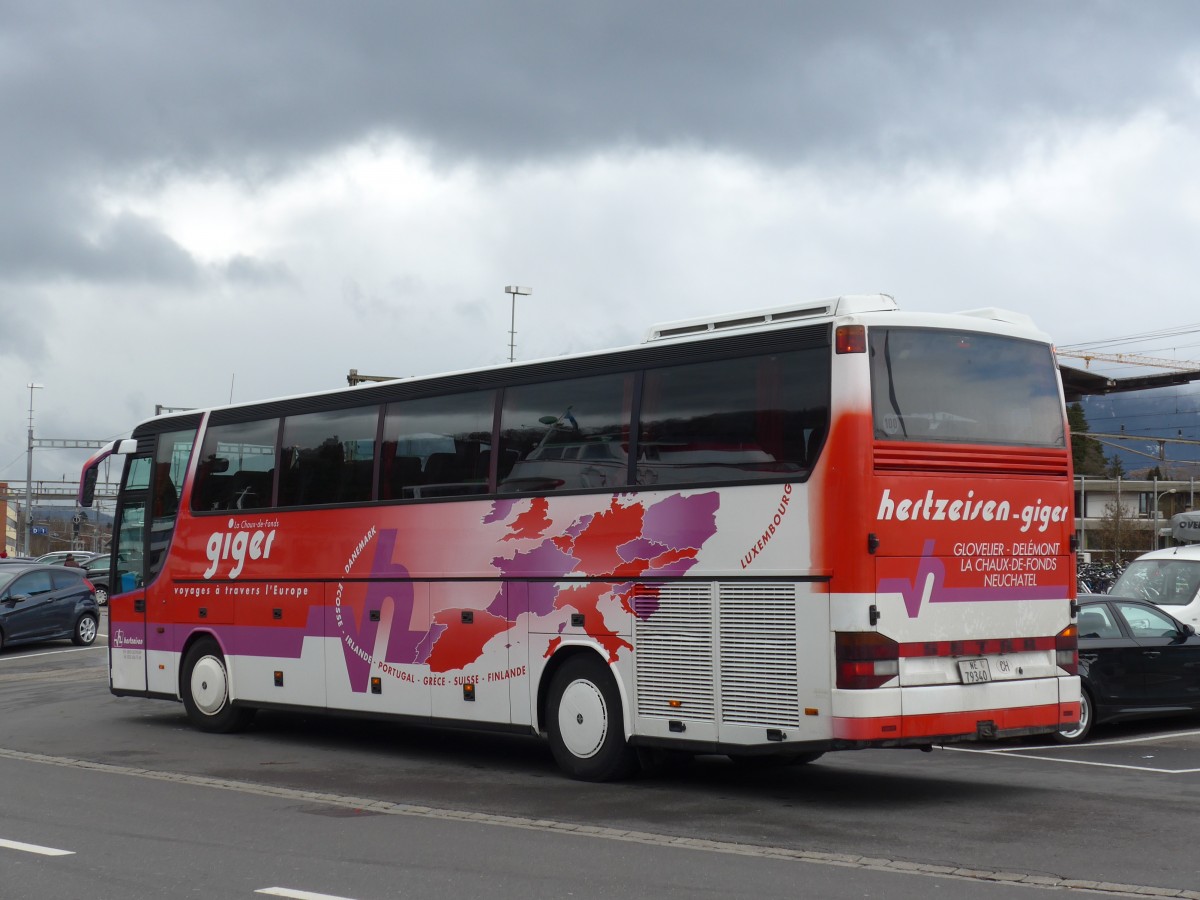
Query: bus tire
585	722
206	691
1078	733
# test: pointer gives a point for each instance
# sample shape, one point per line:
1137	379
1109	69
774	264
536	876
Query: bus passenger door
127	595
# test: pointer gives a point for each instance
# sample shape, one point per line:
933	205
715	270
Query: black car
1135	661
46	603
96	570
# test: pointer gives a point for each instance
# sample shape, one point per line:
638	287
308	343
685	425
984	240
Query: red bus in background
772	535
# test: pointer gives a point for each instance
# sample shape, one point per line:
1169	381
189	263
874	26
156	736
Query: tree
1115	468
1115	532
1086	453
1154	474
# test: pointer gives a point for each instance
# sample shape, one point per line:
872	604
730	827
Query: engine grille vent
685	633
759	673
673	634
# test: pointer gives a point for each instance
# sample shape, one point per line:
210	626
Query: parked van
1169	578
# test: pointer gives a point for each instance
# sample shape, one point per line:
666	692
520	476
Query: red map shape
586	599
460	645
596	546
532	523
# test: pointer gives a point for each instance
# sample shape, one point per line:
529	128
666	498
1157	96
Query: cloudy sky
248	199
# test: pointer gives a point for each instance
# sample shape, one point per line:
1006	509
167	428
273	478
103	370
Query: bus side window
236	466
812	445
566	435
171	457
329	457
437	446
166	498
753	417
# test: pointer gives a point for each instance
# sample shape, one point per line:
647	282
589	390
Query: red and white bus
822	527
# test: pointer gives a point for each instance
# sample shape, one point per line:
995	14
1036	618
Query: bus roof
864	308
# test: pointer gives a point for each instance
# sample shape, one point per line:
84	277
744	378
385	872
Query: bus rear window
964	387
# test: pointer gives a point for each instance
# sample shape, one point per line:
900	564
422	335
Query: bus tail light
865	659
851	339
1066	650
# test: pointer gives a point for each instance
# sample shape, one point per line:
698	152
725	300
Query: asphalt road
119	797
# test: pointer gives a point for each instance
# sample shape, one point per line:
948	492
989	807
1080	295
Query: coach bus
828	526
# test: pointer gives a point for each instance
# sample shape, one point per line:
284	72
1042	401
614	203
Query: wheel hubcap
87	630
208	685
583	719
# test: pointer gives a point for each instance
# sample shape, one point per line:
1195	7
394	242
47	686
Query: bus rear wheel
584	719
206	691
1078	733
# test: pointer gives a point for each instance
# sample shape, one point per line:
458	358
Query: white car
1169	578
58	557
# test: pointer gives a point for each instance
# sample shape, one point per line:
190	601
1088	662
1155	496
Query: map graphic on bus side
626	542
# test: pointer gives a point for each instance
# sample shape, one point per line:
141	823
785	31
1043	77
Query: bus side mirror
86	494
87	491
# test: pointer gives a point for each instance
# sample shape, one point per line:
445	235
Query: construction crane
1132	359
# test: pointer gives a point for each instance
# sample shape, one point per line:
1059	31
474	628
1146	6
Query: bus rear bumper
951	713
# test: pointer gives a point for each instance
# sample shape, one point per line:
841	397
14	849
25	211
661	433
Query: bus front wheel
584	720
206	691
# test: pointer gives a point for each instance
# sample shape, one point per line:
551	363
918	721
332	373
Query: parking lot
1119	810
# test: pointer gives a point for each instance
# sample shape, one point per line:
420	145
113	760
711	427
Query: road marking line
1025	753
1104	765
7	658
1088	762
34	848
789	854
297	895
1114	742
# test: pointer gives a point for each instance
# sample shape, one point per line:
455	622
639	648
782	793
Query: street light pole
1154	530
512	333
29	475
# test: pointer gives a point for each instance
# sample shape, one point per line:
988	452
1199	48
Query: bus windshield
963	387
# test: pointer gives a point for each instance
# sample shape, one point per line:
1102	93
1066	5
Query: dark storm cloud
245	85
109	94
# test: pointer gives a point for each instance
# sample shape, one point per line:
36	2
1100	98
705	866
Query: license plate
974	671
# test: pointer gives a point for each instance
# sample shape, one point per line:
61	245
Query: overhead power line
1132	359
1128	339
